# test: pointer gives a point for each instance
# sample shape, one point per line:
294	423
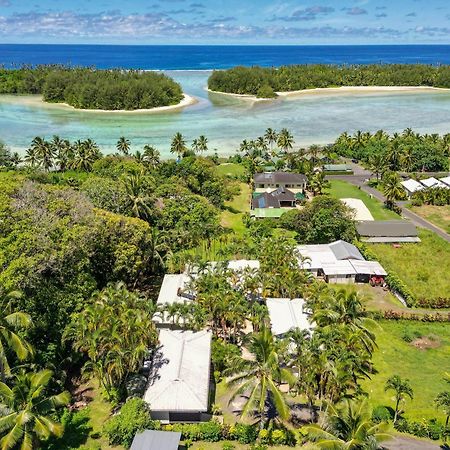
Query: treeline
264	82
407	152
88	88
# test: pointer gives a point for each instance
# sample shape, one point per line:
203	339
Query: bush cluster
395	315
242	433
431	429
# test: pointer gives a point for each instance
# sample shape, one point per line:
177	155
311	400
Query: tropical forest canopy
264	82
88	88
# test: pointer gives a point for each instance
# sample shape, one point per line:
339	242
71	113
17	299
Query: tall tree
178	145
151	156
392	189
285	140
402	389
123	146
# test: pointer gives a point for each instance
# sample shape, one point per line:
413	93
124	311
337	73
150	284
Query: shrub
134	417
245	434
266	92
278	437
431	429
211	431
228	446
381	414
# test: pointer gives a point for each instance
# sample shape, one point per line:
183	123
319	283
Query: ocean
225	121
206	57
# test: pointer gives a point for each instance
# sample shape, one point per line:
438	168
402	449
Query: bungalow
387	231
339	262
270	181
411	186
279	198
286	315
179	381
156	440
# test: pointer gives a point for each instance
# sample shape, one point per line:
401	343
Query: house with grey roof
179	381
269	181
387	231
279	198
156	440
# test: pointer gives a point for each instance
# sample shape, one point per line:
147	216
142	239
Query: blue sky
225	21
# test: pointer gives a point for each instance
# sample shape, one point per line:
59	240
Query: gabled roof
265	200
412	185
286	315
368	268
156	440
279	177
343	267
344	250
445	180
432	182
387	228
179	381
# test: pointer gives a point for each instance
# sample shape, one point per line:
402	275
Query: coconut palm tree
151	156
12	321
178	145
377	164
392	189
44	152
200	145
31	157
15	159
26	413
271	137
137	194
259	378
348	426
285	140
123	145
85	154
401	388
442	401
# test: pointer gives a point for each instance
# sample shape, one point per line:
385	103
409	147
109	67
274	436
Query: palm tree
85	154
151	156
44	152
442	401
401	388
138	198
285	140
123	145
178	145
200	145
259	377
12	321
392	189
348	426
271	137
15	159
26	416
317	183
31	157
377	164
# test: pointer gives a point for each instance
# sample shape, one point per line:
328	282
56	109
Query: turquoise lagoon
226	121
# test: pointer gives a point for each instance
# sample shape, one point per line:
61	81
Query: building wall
340	279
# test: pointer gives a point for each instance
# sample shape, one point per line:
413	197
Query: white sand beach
344	90
36	100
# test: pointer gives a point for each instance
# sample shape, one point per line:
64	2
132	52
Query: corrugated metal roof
344	250
338	268
368	268
412	185
432	182
171	286
179	381
445	180
387	228
156	440
287	315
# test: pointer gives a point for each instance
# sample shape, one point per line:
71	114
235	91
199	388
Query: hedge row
244	434
437	317
431	429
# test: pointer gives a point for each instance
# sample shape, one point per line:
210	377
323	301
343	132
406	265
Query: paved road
359	180
409	443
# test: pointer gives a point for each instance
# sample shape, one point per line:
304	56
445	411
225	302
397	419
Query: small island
261	82
91	89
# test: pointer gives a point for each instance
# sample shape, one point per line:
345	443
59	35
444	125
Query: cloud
411	14
306	14
381	15
223	19
5	3
355	11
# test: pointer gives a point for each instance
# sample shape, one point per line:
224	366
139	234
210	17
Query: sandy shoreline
36	100
344	90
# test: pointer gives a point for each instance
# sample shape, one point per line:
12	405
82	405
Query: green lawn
342	189
424	267
423	367
231	170
438	215
232	215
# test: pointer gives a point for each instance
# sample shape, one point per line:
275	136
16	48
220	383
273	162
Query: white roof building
369	268
412	186
445	180
432	182
361	210
179	380
173	289
286	315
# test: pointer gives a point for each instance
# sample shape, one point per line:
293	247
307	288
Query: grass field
424	266
342	189
231	169
232	215
423	367
438	215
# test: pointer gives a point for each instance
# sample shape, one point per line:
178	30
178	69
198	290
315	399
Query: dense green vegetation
407	152
85	238
263	82
93	89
